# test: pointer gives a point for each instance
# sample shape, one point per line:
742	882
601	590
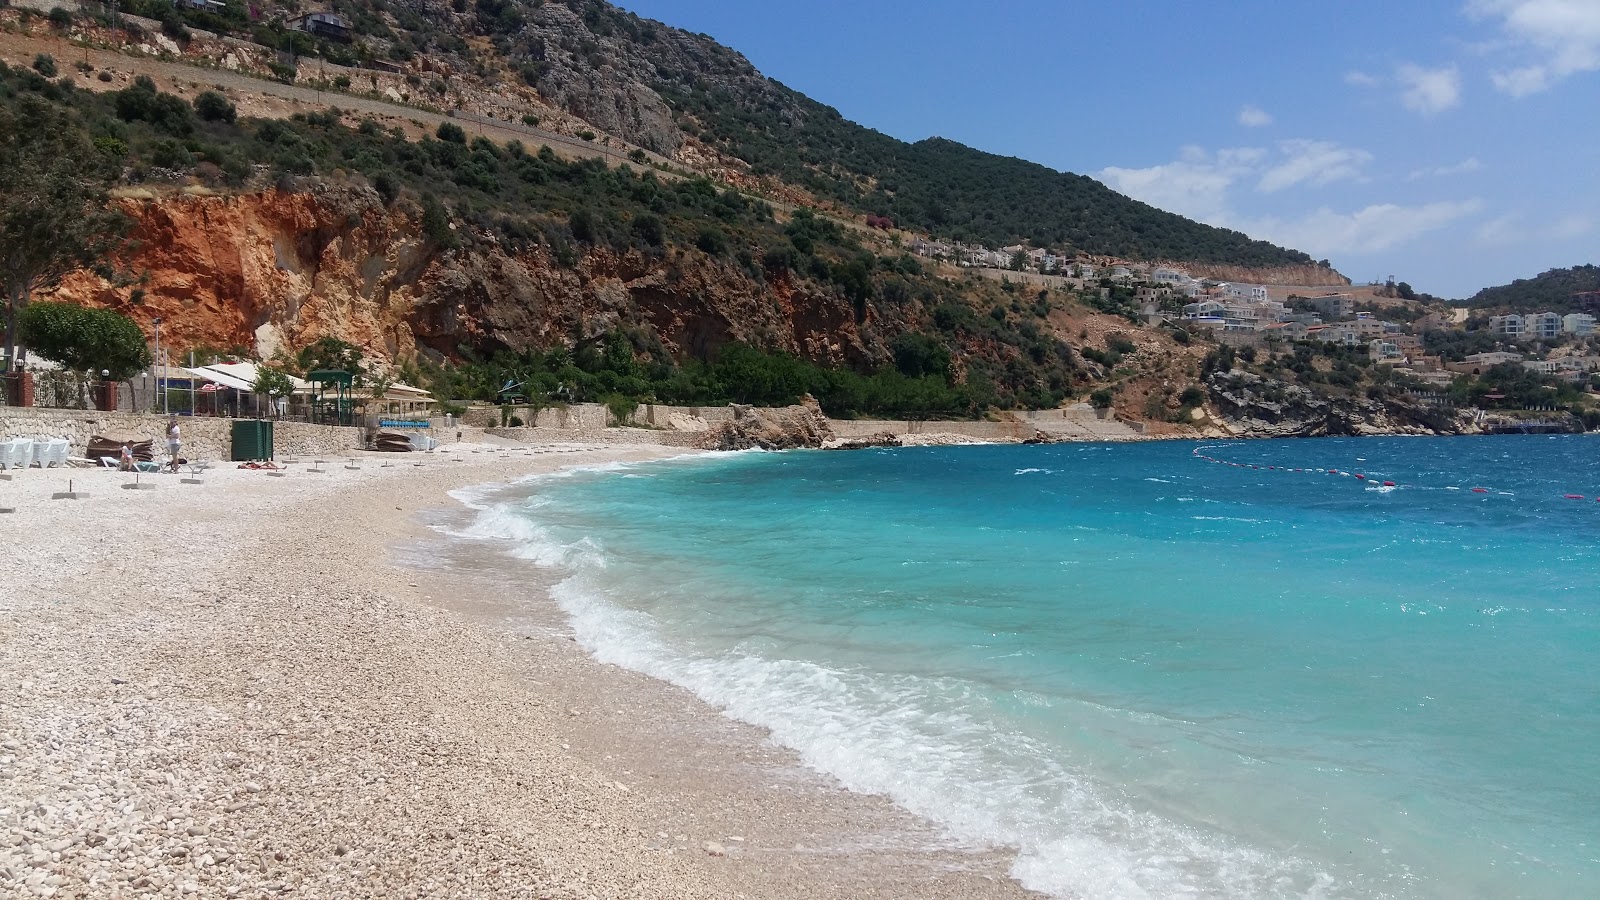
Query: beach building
403	401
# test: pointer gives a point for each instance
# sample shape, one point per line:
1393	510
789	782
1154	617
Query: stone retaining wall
655	436
203	437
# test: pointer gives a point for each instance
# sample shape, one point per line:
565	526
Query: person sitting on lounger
126	464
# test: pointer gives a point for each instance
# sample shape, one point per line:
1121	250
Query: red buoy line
1202	452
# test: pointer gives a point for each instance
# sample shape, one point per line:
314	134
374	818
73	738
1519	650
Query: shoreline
245	686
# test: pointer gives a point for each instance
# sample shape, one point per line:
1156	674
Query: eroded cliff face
276	270
1304	276
1253	406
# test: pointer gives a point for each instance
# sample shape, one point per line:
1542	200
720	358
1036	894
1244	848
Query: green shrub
450	132
621	408
45	65
60	18
213	107
1101	399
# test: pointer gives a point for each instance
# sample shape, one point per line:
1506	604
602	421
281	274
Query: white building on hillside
1580	324
1545	326
1506	326
1253	293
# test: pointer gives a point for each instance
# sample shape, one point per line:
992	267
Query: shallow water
1155	674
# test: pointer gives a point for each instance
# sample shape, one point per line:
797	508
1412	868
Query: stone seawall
203	437
1061	424
632	436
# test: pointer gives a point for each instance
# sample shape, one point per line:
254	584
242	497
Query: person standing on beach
174	444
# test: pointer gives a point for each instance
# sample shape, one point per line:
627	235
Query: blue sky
1454	145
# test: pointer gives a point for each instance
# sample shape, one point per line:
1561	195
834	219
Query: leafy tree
1101	399
330	353
53	216
213	107
141	102
272	382
86	340
452	133
916	355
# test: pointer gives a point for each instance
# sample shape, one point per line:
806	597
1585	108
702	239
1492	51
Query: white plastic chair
5	455
58	452
22	453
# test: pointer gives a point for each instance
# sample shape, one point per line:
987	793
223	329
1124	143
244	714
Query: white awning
242	377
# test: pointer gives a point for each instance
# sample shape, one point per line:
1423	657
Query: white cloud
1361	79
1556	39
1429	91
1465	167
1204	185
1568	227
1194	185
1254	117
1197	183
1313	162
1378	227
1501	230
1514	228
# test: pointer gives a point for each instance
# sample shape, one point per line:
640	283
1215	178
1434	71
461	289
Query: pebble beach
262	686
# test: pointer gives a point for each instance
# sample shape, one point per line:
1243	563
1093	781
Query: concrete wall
578	416
590	416
203	437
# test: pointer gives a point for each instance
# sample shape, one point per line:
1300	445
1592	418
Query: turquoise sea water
1155	675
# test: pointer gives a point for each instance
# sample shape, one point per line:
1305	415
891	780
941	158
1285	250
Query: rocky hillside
588	69
276	270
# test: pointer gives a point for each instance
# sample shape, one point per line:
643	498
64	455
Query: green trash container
252	439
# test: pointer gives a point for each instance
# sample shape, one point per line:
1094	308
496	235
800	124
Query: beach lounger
55	454
5	456
22	453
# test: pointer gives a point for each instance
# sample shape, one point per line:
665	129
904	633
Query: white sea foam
1034	471
922	742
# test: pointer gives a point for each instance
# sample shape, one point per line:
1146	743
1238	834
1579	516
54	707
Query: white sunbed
22	453
54	454
6	460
